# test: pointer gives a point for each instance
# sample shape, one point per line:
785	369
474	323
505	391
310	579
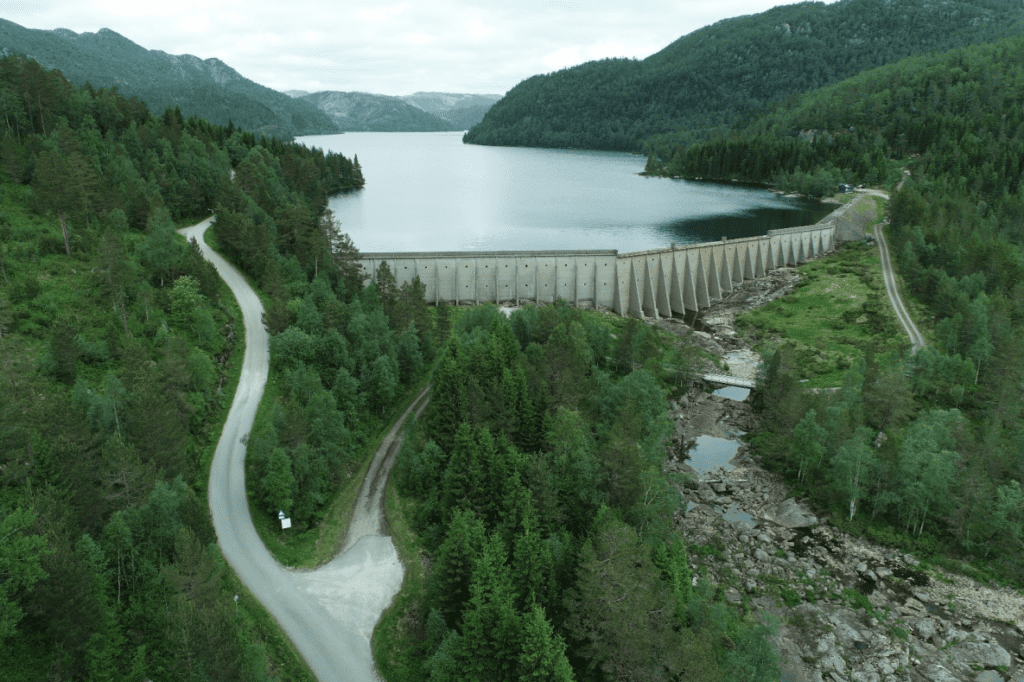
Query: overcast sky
391	48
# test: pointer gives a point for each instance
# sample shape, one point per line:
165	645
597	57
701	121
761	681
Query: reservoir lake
431	192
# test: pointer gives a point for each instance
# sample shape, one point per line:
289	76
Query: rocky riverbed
847	609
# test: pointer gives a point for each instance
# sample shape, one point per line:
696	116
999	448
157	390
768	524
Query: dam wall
655	283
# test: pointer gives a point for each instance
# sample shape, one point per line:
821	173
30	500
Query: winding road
328	613
916	339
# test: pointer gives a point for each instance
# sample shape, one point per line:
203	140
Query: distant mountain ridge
462	111
419	112
733	69
206	88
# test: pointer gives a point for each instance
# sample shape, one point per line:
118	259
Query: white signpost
285	521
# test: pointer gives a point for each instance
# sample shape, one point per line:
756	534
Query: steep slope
361	111
949	115
732	69
209	89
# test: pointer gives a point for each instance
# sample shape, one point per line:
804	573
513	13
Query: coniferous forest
944	134
119	351
732	70
532	481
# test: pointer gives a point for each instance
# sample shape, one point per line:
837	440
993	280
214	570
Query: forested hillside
119	352
949	473
534	486
208	89
732	70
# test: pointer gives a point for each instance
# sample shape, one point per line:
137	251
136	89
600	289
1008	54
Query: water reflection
430	192
736	515
710	453
737	393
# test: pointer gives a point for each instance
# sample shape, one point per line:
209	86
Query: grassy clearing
838	309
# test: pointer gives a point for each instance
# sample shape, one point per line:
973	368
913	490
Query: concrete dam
655	283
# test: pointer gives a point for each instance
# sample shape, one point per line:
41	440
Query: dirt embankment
847	609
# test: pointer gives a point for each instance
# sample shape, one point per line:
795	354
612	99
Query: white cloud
396	48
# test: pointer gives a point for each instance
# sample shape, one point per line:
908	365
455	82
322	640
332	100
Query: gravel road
916	339
328	613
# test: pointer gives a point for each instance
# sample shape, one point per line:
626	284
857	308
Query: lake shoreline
427	192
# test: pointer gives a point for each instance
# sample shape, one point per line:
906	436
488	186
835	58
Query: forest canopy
731	71
119	350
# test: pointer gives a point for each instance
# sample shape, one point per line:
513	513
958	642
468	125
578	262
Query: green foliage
19	565
730	71
118	354
533	575
618	608
754	659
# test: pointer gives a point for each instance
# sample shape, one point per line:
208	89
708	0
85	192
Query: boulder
985	654
790	514
925	628
988	676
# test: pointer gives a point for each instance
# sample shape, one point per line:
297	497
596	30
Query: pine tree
542	658
491	628
532	566
448	589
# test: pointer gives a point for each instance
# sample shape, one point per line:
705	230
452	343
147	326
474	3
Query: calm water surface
430	192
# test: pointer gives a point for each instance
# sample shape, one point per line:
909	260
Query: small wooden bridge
728	380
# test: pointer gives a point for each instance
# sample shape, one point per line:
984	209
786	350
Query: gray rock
761	555
832	661
845	624
985	654
791	514
914	605
861	567
989	676
936	673
925	628
826	643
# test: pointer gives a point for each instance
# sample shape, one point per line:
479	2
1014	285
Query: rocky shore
846	609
